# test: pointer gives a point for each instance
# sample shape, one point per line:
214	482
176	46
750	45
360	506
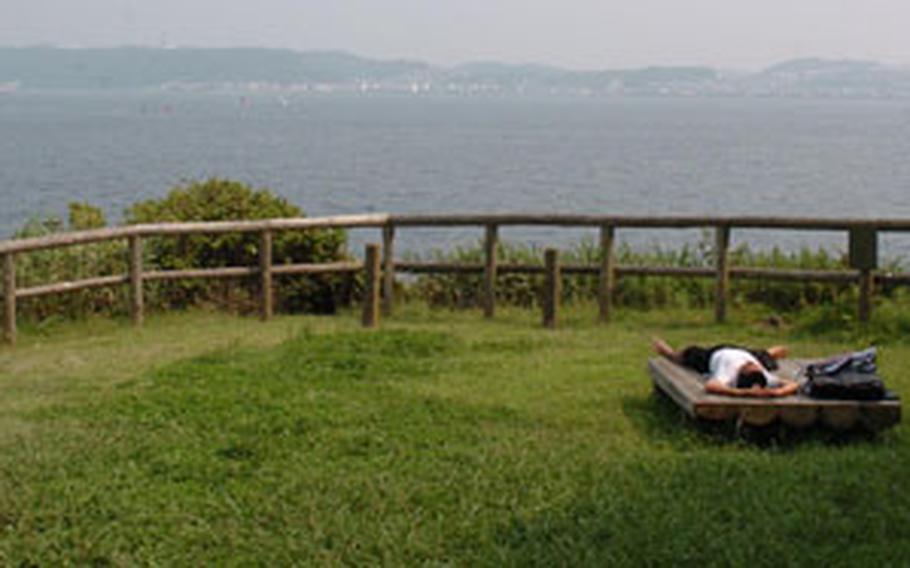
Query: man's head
751	375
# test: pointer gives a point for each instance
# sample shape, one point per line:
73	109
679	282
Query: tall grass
643	292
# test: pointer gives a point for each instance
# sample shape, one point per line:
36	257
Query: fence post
265	274
136	297
552	288
607	281
371	293
388	268
9	298
723	273
489	272
866	288
864	257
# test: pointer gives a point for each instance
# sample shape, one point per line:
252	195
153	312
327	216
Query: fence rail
381	266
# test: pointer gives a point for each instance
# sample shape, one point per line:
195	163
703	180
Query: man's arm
714	386
661	347
785	389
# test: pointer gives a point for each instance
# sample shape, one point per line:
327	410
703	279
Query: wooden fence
381	266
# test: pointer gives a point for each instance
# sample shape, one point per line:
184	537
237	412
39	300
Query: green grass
439	439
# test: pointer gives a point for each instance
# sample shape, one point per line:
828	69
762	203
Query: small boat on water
9	87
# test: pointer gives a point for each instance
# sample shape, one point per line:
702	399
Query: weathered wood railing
381	266
137	275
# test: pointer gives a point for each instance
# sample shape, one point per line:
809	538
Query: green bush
225	200
211	200
67	264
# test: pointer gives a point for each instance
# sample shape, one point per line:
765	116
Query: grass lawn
439	439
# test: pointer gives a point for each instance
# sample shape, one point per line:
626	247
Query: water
334	155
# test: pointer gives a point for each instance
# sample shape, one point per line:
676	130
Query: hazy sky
573	33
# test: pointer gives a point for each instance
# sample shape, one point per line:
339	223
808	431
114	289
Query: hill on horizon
126	68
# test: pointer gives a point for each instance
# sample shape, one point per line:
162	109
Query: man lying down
732	370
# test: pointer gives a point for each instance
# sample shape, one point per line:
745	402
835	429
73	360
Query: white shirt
725	364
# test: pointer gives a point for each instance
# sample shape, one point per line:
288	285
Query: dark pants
697	358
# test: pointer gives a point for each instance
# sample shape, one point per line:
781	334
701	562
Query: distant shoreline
283	71
277	95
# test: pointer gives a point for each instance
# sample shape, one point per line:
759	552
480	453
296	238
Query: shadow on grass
789	494
662	510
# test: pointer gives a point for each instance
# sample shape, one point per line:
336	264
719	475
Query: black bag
846	386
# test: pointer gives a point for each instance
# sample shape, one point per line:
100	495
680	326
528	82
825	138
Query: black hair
748	379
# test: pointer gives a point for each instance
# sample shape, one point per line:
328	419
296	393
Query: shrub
211	200
225	200
68	264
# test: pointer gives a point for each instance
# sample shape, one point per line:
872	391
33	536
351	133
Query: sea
345	154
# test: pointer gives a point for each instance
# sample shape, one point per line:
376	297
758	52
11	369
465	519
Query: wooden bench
685	387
